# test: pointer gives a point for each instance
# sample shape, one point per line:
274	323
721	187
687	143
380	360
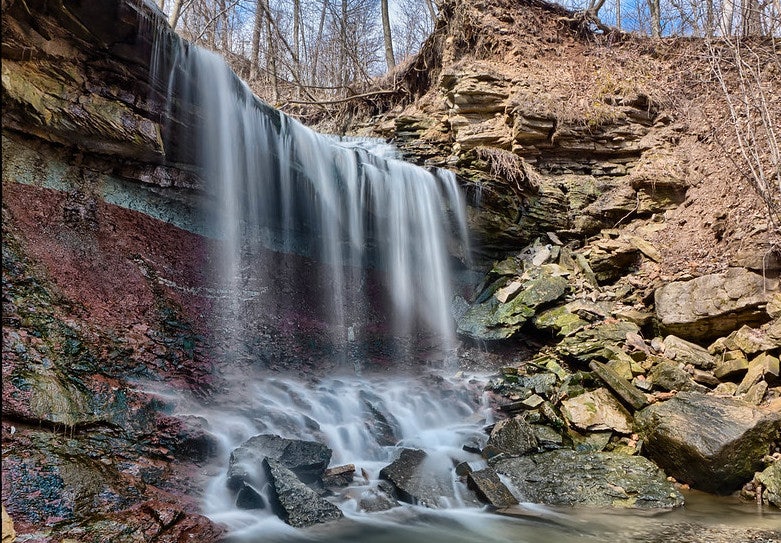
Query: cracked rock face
713	305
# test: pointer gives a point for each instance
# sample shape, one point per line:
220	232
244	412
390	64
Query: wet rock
249	498
494	320
293	501
511	436
597	410
770	479
418	480
339	475
713	443
379	498
307	459
489	488
383	425
713	305
590	442
686	352
566	477
547	437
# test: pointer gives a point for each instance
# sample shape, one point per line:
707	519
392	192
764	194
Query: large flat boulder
713	305
712	443
601	479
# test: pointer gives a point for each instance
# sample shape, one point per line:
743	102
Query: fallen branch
339	100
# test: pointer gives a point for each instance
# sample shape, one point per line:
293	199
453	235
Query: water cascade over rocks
383	235
349	205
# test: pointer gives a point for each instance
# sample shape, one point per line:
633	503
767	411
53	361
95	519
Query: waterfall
349	205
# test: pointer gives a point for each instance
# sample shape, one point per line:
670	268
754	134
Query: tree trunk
343	54
296	31
656	18
271	51
173	18
618	14
386	33
319	41
254	60
752	18
432	12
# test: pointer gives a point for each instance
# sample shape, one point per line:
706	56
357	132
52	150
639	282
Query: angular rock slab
511	436
307	459
598	479
293	501
713	305
417	481
770	479
597	410
712	443
490	489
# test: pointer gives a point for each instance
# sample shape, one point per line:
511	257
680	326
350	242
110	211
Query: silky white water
434	414
349	204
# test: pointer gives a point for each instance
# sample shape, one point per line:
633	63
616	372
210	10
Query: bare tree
386	34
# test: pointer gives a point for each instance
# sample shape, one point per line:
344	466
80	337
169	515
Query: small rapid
366	422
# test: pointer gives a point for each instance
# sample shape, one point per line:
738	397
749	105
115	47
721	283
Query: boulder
378	498
770	479
511	436
417	484
307	459
596	411
566	477
589	343
710	442
685	352
494	320
713	305
489	488
668	375
293	501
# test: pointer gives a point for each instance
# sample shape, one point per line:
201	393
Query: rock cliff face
551	129
103	284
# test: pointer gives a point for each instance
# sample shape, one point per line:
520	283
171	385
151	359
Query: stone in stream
293	501
770	479
339	475
378	498
489	488
417	480
711	442
713	305
307	459
566	477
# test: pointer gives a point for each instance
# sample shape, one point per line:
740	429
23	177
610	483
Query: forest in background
294	52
